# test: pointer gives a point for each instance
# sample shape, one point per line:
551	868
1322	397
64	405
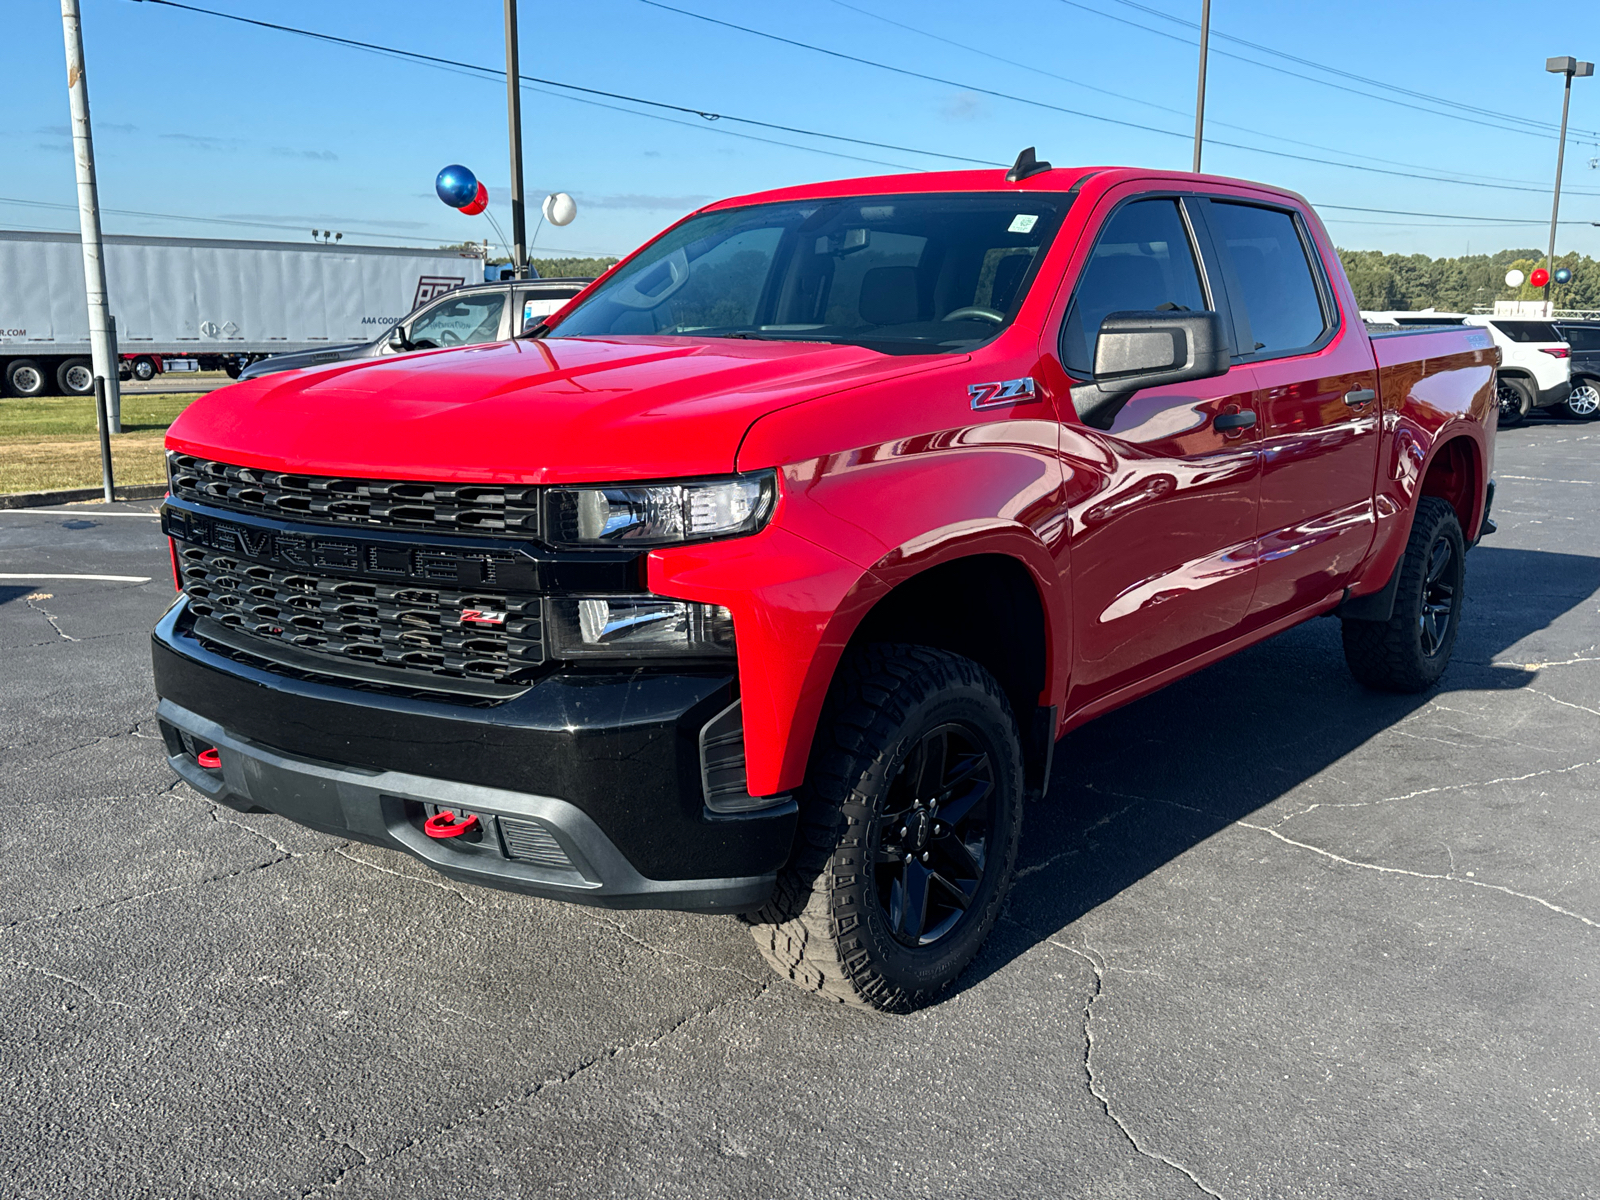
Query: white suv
1535	365
1535	360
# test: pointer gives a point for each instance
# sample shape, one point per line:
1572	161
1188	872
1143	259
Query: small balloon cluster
459	188
1539	277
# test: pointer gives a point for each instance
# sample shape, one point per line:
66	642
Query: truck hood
546	411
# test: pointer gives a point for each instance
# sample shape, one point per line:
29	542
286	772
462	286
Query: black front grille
423	631
474	508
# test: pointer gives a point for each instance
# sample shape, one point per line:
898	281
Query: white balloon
560	208
1514	278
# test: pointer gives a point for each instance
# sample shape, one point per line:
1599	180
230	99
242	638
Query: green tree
1415	281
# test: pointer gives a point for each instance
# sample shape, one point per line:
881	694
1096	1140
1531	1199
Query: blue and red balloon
459	187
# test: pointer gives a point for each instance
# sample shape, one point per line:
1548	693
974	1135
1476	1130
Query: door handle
1359	397
1238	420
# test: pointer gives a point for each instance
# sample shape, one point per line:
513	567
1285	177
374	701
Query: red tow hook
209	759
448	825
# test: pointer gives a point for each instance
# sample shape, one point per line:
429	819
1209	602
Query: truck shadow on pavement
1136	788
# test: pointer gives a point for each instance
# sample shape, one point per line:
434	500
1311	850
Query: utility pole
519	224
1200	91
94	263
1569	67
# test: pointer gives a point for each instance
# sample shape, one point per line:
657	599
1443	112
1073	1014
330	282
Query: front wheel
909	824
143	369
1409	651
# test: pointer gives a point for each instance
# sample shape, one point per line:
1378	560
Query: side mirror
1138	350
398	342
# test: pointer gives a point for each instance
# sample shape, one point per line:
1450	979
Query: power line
970	87
408	241
1186	114
494	73
1548	126
1478	121
1402	212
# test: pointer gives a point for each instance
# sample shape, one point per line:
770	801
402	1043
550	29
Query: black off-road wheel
1409	651
909	823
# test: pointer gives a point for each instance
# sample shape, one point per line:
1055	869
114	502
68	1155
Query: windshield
899	274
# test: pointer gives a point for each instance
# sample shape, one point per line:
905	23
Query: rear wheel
24	377
1409	651
1515	398
1583	402
75	377
909	824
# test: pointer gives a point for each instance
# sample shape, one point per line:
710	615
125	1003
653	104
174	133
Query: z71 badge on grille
482	616
1010	391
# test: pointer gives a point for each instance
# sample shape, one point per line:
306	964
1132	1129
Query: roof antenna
1025	166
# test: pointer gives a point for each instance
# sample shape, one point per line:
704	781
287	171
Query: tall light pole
94	263
1569	67
1200	92
519	225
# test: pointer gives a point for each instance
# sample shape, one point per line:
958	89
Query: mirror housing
1138	350
398	340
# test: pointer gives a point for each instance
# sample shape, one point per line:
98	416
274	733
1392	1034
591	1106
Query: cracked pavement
1271	936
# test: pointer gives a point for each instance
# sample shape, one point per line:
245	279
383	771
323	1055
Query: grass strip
52	442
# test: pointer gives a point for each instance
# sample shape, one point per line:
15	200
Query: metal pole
1555	203
94	266
519	227
1200	92
105	438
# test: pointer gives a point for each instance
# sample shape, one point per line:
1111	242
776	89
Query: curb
148	491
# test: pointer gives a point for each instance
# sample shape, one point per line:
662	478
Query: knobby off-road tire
917	755
1409	651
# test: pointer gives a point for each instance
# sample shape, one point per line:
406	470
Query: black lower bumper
1556	393
588	787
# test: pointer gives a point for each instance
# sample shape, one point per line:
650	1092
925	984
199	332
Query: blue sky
205	118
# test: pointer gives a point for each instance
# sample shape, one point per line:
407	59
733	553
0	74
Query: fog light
638	627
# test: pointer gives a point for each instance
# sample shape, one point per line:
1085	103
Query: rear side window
1143	261
1582	337
1528	331
1277	289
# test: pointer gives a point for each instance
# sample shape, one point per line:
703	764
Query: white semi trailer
220	304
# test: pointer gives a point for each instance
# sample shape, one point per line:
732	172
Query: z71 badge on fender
1011	391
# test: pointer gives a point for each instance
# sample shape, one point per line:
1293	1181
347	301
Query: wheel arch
1454	473
991	605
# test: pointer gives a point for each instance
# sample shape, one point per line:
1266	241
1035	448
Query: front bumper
588	787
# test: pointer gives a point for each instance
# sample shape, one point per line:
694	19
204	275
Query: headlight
661	513
640	626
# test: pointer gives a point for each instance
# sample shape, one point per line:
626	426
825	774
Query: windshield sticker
1023	223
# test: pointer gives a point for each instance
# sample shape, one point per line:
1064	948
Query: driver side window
459	321
1142	262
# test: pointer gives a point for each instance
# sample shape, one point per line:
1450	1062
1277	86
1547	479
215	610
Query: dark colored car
485	312
1583	403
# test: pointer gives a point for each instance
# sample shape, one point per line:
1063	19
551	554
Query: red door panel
1163	532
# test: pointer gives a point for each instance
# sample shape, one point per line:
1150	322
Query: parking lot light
1571	68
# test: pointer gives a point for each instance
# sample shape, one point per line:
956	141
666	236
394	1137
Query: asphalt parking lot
1273	936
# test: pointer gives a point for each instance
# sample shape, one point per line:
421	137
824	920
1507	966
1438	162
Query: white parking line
103	578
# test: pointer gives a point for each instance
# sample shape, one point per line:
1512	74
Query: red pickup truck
765	576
